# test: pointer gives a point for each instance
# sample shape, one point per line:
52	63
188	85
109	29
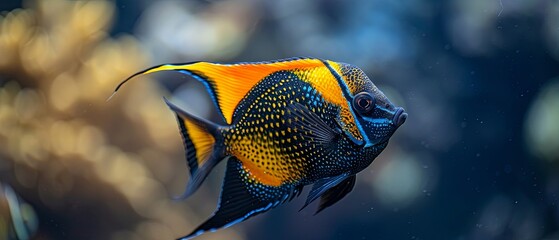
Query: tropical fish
289	123
18	220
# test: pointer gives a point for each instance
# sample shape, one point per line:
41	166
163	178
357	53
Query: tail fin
203	144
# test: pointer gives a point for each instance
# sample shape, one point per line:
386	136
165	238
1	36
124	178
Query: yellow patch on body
266	163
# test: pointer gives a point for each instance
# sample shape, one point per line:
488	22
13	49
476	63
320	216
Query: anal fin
241	198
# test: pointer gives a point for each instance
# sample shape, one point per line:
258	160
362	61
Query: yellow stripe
324	82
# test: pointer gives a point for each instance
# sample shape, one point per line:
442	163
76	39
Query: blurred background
478	157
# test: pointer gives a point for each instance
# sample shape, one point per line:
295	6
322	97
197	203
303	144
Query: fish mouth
399	117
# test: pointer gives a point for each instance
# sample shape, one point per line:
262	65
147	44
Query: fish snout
399	117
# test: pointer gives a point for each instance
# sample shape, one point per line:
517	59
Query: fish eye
364	102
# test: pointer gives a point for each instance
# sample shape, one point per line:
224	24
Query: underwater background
478	157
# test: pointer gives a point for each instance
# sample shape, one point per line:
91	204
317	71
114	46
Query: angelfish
289	123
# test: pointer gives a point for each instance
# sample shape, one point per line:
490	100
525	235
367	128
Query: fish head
376	116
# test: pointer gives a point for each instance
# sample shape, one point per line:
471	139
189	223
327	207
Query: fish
288	124
18	220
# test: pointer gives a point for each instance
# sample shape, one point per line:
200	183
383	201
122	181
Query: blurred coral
542	130
64	148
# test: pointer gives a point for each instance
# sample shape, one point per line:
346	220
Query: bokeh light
542	128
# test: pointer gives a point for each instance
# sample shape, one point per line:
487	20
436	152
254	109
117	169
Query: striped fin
203	145
228	84
242	198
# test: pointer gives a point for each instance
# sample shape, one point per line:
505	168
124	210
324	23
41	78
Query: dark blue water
463	166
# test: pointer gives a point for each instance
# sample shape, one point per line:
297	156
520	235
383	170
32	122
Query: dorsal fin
228	84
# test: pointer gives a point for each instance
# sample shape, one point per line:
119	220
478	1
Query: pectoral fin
335	194
311	125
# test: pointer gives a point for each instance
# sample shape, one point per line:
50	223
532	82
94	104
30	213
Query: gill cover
372	110
349	85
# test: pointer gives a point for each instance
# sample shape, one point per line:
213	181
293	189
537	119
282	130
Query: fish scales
275	145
